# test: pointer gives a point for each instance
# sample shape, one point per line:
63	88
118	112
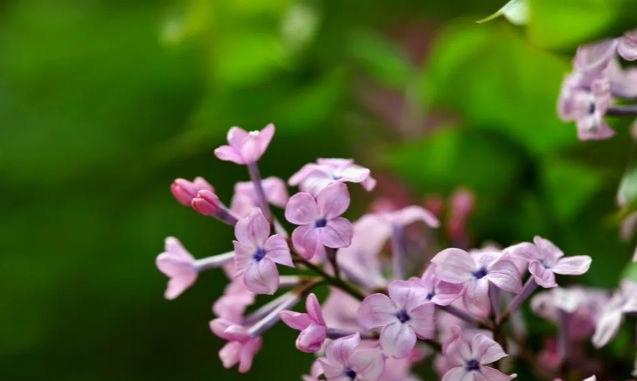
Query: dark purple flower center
431	295
591	108
349	373
403	316
259	254
480	273
320	223
471	365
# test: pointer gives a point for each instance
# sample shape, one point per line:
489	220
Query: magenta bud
206	203
185	191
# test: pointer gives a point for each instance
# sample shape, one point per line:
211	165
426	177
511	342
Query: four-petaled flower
469	358
545	260
347	360
245	147
257	252
245	196
320	220
313	177
179	265
476	272
240	347
311	324
438	291
404	316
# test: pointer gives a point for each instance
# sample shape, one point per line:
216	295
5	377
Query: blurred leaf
631	271
497	81
627	192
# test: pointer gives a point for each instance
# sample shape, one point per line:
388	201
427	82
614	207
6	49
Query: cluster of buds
599	86
383	314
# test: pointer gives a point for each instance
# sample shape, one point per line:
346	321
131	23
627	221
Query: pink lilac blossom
437	291
257	253
545	260
321	224
246	197
313	177
185	191
624	301
470	358
311	324
627	45
403	317
240	348
476	272
347	360
245	147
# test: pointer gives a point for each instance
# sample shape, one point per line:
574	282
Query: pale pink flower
476	272
545	260
340	310
407	216
612	315
240	347
470	358
438	291
596	56
311	324
316	371
627	45
403	316
234	301
320	220
313	177
623	82
246	198
179	265
347	360
184	191
257	253
245	147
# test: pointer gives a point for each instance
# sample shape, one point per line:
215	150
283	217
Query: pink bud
206	203
184	191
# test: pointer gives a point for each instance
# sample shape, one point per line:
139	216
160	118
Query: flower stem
214	261
398	251
331	256
336	282
255	176
517	301
622	110
465	316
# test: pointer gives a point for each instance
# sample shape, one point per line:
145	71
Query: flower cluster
599	86
457	311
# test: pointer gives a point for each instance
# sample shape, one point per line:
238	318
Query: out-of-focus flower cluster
384	313
600	85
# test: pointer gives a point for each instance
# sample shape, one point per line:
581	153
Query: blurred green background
103	103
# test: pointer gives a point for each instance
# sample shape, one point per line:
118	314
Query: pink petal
454	265
542	276
235	136
296	320
276	191
333	200
457	374
337	233
447	293
262	277
594	57
407	294
333	370
504	274
376	310
491	374
368	364
276	248
340	350
354	173
248	351
173	245
547	249
422	320
242	256
313	308
397	340
369	184
253	229
177	285
302	174
311	339
486	350
306	241
228	153
607	327
412	214
302	209
627	47
575	265
476	297
229	354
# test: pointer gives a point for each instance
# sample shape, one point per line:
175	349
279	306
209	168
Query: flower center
480	273
591	108
471	365
259	254
349	373
431	295
403	316
320	223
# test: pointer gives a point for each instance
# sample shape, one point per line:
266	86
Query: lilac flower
476	272
545	260
182	268
341	310
623	301
320	220
257	252
311	324
623	82
470	358
246	197
595	57
316	371
437	291
314	177
240	347
403	317
245	147
234	301
627	45
206	202
185	191
347	360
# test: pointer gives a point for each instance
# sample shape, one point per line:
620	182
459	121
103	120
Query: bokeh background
103	103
